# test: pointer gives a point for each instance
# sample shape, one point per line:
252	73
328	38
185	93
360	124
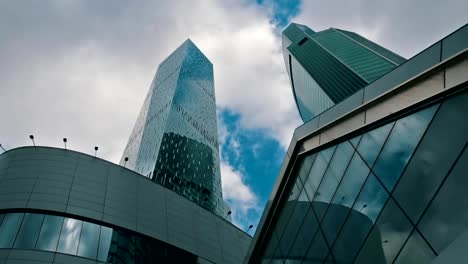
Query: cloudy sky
81	69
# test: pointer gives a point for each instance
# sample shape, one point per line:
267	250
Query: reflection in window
360	220
85	239
69	237
89	240
415	251
333	176
304	236
372	142
400	145
387	237
29	231
317	171
104	243
442	144
49	235
447	215
9	228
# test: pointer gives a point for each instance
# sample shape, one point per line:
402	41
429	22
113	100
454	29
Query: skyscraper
381	176
328	66
62	206
174	141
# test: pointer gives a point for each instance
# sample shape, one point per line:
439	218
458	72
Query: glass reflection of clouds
85	239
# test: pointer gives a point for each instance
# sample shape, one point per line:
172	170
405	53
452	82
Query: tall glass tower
174	141
328	66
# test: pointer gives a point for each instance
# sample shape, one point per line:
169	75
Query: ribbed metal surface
295	33
337	80
375	47
363	61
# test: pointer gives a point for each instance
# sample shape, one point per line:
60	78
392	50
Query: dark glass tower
174	141
328	66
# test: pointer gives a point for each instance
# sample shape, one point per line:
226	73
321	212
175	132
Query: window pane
69	236
447	215
318	250
293	226
89	240
29	231
9	228
305	167
304	236
360	220
332	177
317	171
104	243
400	145
441	145
1	218
354	178
372	142
387	237
50	231
415	251
355	141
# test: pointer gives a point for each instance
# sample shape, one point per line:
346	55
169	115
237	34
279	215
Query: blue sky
81	70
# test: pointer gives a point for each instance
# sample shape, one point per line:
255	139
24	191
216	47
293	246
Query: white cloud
82	69
242	200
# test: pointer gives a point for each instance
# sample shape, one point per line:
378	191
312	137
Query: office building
175	140
328	66
62	206
381	176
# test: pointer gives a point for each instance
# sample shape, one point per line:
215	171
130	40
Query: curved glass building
381	176
328	66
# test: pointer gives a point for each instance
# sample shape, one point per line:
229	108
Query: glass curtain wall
394	194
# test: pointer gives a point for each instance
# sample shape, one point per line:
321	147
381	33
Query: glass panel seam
39	232
404	244
336	190
324	172
410	157
435	195
18	231
370	230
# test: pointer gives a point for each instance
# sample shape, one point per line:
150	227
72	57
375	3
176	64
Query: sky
81	70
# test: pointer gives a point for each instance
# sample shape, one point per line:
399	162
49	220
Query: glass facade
393	194
174	141
328	66
80	238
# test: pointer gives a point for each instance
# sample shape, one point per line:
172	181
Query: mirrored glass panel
89	240
447	215
105	238
332	177
400	145
9	228
349	188
318	250
49	234
69	237
387	237
305	167
295	221
372	142
438	150
29	231
317	171
415	251
360	220
355	141
304	236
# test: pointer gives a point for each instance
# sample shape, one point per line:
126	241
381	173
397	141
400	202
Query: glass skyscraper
175	140
381	176
328	66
